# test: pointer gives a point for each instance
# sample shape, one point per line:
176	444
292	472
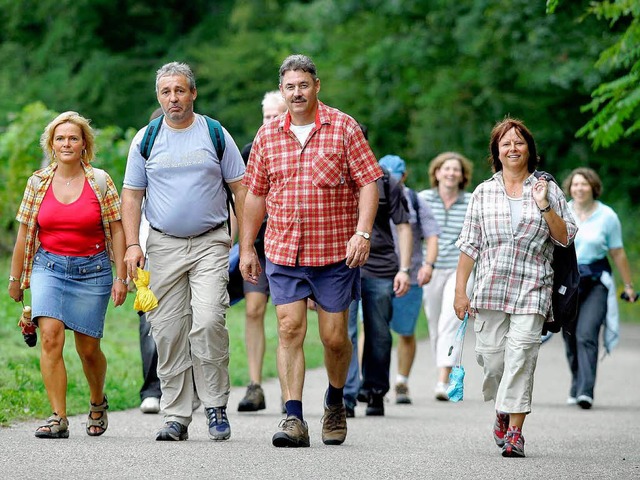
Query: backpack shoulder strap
149	136
217	136
416	206
101	179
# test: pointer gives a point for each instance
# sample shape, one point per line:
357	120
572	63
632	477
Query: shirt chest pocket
327	169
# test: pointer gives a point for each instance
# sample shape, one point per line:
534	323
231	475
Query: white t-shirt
302	131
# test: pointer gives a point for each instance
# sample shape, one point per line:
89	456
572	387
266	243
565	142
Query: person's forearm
367	207
463	272
254	209
131	213
405	244
432	250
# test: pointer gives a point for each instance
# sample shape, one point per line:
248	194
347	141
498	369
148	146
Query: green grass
22	394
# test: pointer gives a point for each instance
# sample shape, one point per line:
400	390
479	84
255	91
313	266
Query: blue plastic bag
455	391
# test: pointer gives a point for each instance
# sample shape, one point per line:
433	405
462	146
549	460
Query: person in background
449	175
511	226
599	236
69	230
315	175
384	275
406	309
256	296
150	391
188	250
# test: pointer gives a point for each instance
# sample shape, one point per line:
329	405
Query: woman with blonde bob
69	233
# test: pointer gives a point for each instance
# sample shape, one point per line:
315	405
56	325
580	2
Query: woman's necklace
68	182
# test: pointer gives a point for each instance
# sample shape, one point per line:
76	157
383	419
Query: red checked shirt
311	190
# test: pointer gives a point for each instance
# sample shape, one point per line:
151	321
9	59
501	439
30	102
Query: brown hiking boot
294	433
402	394
334	424
253	399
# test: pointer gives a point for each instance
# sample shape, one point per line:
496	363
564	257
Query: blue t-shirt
183	178
597	234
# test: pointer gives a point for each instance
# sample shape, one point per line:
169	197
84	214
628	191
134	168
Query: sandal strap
102	407
55	423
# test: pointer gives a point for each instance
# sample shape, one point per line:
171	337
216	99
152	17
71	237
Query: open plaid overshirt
311	190
513	270
30	206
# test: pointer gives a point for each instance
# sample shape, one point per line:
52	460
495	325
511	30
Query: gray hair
298	62
273	99
176	68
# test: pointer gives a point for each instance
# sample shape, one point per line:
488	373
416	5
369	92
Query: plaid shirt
311	190
514	272
30	206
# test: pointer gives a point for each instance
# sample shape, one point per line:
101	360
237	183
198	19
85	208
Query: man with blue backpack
183	164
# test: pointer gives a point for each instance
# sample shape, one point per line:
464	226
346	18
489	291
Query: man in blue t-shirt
188	251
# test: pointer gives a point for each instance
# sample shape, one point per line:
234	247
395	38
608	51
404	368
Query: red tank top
73	230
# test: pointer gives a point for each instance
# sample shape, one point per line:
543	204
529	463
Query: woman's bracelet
628	285
133	245
122	280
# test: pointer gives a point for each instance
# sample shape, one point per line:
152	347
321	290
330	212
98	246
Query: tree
615	104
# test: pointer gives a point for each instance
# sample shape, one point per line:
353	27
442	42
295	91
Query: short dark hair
499	130
298	62
590	175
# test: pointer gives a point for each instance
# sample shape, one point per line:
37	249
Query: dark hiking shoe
172	431
294	433
375	405
334	424
253	400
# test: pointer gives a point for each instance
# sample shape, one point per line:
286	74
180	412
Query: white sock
402	379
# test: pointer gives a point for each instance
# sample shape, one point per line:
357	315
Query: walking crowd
320	223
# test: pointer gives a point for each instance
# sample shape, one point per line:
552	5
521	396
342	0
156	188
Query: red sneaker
514	443
500	428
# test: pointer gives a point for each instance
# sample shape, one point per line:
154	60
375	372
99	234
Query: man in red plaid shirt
315	175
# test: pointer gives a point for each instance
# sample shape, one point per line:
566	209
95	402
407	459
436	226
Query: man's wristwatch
365	235
406	270
13	279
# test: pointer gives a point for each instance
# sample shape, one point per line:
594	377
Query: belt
216	227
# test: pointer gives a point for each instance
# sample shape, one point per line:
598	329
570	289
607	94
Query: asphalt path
428	439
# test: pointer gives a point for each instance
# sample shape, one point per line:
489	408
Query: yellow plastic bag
145	299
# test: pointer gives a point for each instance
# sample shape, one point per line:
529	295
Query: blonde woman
69	233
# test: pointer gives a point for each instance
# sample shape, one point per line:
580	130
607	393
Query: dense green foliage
616	103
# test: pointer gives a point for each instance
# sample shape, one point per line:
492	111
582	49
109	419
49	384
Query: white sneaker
150	405
572	401
441	391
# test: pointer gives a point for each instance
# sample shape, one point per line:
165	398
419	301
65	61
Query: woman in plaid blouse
512	223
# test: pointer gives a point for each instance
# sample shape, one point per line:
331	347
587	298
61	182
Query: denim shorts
74	290
333	286
406	310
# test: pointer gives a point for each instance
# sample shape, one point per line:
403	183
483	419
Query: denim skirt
74	290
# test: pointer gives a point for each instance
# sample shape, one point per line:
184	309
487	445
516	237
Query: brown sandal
58	427
102	422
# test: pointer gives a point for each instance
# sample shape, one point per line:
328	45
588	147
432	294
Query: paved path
428	439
